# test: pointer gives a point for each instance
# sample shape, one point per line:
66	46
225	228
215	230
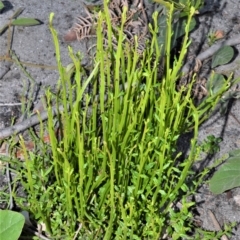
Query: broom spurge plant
113	171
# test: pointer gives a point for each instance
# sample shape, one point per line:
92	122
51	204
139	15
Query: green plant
111	170
215	82
214	36
211	38
1	5
227	176
223	56
19	21
11	224
178	21
183	5
211	144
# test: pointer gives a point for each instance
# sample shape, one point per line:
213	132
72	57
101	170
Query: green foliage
11	224
211	144
222	56
1	5
212	38
228	97
178	22
183	5
111	170
178	28
215	83
19	22
25	22
208	235
227	176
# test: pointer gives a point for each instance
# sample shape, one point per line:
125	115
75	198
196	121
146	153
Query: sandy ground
35	45
225	16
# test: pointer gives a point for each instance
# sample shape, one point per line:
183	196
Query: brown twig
235	118
77	232
25	124
216	224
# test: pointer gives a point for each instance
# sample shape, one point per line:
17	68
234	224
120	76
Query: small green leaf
11	224
227	176
25	22
1	5
222	56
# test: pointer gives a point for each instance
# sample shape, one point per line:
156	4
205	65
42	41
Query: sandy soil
35	45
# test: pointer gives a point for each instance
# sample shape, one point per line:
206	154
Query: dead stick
30	122
216	224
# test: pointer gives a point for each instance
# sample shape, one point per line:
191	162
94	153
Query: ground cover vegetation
111	168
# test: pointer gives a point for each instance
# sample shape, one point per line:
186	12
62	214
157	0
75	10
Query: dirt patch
223	16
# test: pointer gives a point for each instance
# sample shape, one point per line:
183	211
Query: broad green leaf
227	176
25	22
222	56
235	153
215	83
1	5
11	224
179	29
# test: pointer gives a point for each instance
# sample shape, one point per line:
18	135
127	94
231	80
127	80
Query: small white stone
237	199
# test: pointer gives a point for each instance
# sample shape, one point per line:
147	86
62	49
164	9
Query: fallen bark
25	124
